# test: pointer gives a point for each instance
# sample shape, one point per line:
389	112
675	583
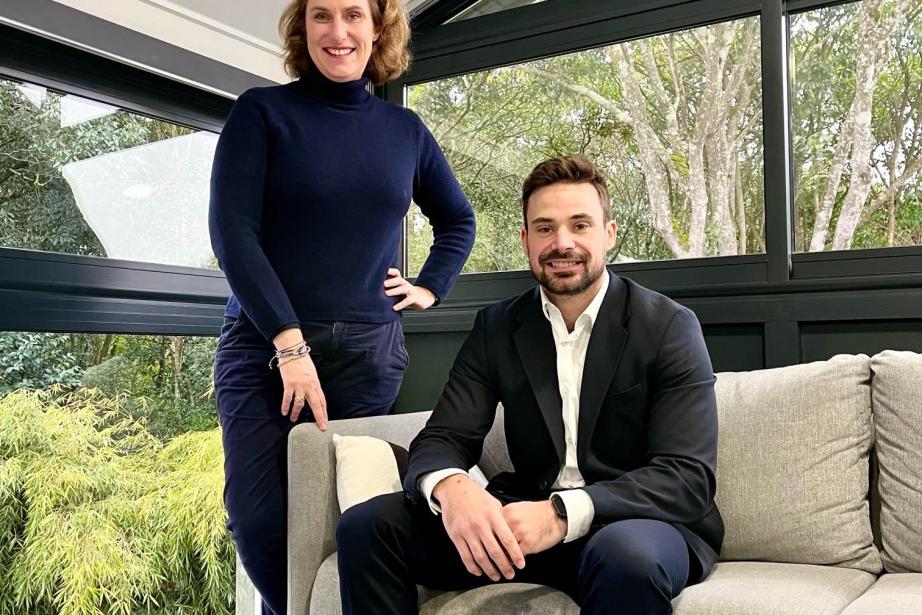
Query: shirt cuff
428	481
580	512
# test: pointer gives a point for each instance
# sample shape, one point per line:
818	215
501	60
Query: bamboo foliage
101	517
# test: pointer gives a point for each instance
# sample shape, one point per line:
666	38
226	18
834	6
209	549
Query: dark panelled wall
744	330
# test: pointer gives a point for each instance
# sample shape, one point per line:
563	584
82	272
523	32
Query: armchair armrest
313	509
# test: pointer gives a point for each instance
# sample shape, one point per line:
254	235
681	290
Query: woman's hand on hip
302	387
415	297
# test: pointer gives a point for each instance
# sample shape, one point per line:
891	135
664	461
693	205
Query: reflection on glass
83	177
675	121
857	70
145	203
485	7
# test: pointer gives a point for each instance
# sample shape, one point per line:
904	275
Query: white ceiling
241	33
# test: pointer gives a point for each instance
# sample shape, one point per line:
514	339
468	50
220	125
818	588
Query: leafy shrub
100	516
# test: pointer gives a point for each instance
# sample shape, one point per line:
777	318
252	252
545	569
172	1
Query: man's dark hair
574	169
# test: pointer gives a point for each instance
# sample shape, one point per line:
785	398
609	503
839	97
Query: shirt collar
591	313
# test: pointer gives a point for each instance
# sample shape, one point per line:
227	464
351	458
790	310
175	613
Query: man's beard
575	284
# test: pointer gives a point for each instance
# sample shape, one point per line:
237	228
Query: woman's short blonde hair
389	56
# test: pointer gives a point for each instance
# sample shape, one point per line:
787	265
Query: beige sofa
819	482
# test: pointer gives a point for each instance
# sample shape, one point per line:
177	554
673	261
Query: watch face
559	507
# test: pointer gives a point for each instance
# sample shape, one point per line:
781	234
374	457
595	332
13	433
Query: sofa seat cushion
325	593
792	464
502	599
892	594
498	599
764	588
896	394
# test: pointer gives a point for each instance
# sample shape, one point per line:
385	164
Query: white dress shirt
571	358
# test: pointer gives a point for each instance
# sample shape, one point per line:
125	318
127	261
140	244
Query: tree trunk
652	166
873	51
178	344
740	210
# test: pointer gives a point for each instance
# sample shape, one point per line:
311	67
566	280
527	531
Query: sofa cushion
896	394
325	595
792	464
764	588
892	594
502	599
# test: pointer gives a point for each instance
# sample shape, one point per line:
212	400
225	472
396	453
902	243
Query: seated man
611	426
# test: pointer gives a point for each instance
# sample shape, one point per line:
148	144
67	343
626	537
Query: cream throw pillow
367	467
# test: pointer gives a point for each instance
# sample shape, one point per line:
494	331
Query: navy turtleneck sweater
310	186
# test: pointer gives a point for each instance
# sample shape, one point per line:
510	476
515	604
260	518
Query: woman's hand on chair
301	384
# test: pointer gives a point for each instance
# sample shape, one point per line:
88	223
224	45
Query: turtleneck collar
343	93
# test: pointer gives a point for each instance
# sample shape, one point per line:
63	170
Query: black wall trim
63	312
60	21
34	271
870	262
734	300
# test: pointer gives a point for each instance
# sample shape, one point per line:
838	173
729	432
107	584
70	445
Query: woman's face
340	34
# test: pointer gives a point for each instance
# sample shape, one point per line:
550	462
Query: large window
81	177
857	76
674	120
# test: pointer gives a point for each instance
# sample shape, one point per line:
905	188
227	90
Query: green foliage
165	380
104	518
35	361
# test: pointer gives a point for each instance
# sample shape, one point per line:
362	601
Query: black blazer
647	435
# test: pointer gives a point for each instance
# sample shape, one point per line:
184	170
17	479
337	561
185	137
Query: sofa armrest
313	509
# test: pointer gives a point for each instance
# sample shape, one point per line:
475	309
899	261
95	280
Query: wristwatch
559	507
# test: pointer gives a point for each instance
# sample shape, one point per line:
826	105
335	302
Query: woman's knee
258	529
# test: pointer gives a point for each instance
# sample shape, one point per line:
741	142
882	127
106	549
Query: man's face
565	238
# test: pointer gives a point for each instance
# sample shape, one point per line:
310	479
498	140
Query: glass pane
675	121
485	7
857	71
112	474
82	177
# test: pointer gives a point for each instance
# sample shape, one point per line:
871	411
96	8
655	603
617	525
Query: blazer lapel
535	345
606	344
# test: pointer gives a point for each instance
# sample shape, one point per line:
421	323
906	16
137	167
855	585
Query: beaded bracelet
299	350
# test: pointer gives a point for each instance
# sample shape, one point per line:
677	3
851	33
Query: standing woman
310	186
